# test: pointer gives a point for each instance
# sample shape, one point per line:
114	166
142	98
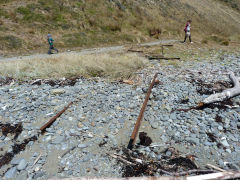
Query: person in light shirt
187	30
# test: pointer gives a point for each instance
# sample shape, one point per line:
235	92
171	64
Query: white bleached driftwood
226	94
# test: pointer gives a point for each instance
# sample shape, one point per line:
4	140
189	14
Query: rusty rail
139	119
55	117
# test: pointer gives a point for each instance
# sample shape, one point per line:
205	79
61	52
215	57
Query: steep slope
87	23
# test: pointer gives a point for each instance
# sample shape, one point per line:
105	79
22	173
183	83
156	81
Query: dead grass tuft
72	65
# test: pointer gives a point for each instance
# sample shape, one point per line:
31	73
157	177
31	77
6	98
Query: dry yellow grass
116	66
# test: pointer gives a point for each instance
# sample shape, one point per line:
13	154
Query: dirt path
84	51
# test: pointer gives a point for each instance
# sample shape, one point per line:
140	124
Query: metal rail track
139	119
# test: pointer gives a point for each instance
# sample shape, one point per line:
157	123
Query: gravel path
83	52
103	114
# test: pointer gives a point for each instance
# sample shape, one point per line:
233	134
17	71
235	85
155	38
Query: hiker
50	41
187	30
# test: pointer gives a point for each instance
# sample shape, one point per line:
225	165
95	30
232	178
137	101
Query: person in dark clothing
50	42
187	30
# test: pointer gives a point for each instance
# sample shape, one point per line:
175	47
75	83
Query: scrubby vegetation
103	22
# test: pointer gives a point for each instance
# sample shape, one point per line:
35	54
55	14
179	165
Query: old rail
55	117
139	119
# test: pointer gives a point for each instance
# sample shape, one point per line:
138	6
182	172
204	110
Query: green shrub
204	41
24	11
225	43
29	15
220	40
112	27
3	13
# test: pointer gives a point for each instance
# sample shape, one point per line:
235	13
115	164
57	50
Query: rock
154	125
57	91
152	155
220	128
37	169
11	173
229	151
7	139
22	165
192	140
82	146
224	143
15	161
58	140
22	176
39	174
80	125
159	157
168	153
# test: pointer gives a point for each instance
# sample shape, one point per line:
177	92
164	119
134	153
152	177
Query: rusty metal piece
55	117
161	57
139	119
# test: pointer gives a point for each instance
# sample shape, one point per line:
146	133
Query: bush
220	40
154	32
3	13
111	27
29	15
204	41
24	11
225	43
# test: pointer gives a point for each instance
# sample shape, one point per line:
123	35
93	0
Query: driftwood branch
116	156
226	94
215	167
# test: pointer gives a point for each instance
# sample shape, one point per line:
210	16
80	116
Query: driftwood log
226	94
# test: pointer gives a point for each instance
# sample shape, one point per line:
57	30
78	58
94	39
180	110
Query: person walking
50	42
187	30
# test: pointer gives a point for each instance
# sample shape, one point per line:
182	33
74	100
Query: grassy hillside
24	24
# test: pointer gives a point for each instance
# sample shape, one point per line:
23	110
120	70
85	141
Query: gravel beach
102	117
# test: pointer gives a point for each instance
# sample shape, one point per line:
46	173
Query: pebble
39	174
82	146
22	176
58	140
11	173
224	143
57	91
15	161
22	165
